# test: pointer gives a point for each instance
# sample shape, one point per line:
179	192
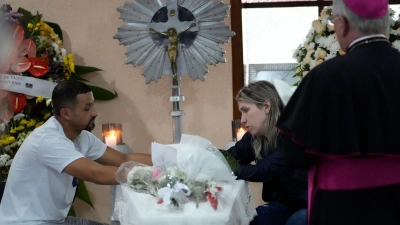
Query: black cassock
348	106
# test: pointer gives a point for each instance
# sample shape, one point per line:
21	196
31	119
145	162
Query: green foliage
233	163
82	194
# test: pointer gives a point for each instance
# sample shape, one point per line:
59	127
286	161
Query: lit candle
111	138
239	134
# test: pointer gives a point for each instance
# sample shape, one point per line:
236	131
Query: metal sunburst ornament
174	38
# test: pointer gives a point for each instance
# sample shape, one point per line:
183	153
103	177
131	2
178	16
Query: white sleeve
90	146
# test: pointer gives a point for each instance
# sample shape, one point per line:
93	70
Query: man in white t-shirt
42	181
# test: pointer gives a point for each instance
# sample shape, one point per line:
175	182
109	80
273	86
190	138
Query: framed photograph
282	71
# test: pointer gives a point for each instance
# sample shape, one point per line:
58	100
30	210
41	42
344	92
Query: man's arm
113	157
103	169
91	171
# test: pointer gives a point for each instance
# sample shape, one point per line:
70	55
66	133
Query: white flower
63	52
311	45
3	160
312	63
203	178
396	44
320	53
330	56
18	117
334	48
318	26
8	163
138	173
297	52
310	35
7	148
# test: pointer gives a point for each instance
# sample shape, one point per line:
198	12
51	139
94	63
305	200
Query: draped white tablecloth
235	207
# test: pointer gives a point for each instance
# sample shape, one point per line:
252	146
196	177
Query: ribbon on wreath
27	85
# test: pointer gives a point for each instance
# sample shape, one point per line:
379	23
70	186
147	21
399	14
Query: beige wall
143	109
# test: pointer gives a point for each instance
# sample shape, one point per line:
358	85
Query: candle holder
112	134
237	130
112	137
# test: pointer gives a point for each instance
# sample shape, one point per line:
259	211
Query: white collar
366	37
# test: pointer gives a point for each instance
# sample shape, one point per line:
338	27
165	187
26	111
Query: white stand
124	149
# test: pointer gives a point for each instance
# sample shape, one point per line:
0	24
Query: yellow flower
23	122
46	116
13	131
39	99
39	124
10	139
72	67
31	123
65	60
67	75
30	26
48	101
20	128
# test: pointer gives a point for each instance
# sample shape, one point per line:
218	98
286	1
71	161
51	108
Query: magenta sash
346	173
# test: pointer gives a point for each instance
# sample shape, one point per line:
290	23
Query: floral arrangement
31	48
321	43
172	187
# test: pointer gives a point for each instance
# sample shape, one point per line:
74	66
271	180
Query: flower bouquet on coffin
191	171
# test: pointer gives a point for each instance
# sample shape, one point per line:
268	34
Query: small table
235	207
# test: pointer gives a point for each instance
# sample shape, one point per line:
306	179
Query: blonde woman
284	188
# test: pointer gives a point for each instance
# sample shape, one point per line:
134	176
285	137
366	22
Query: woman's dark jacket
281	182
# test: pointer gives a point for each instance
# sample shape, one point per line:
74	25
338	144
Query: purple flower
7	14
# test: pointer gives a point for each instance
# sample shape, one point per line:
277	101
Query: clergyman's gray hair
362	25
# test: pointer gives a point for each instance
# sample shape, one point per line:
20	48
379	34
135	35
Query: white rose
307	60
396	45
317	25
320	53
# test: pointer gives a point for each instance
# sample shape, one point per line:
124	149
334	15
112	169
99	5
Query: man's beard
89	127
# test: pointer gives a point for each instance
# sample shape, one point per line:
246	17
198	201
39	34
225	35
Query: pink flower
156	173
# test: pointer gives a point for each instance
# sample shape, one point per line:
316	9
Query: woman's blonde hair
259	93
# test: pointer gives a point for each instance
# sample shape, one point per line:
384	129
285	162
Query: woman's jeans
276	213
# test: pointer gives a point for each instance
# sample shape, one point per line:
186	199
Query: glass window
270	35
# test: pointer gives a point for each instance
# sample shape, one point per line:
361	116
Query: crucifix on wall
174	39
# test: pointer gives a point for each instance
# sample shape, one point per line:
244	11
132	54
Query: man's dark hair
64	94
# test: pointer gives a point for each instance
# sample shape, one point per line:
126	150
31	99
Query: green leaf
82	193
81	70
233	163
102	94
71	211
26	15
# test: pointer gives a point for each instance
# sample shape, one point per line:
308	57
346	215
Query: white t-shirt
37	191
